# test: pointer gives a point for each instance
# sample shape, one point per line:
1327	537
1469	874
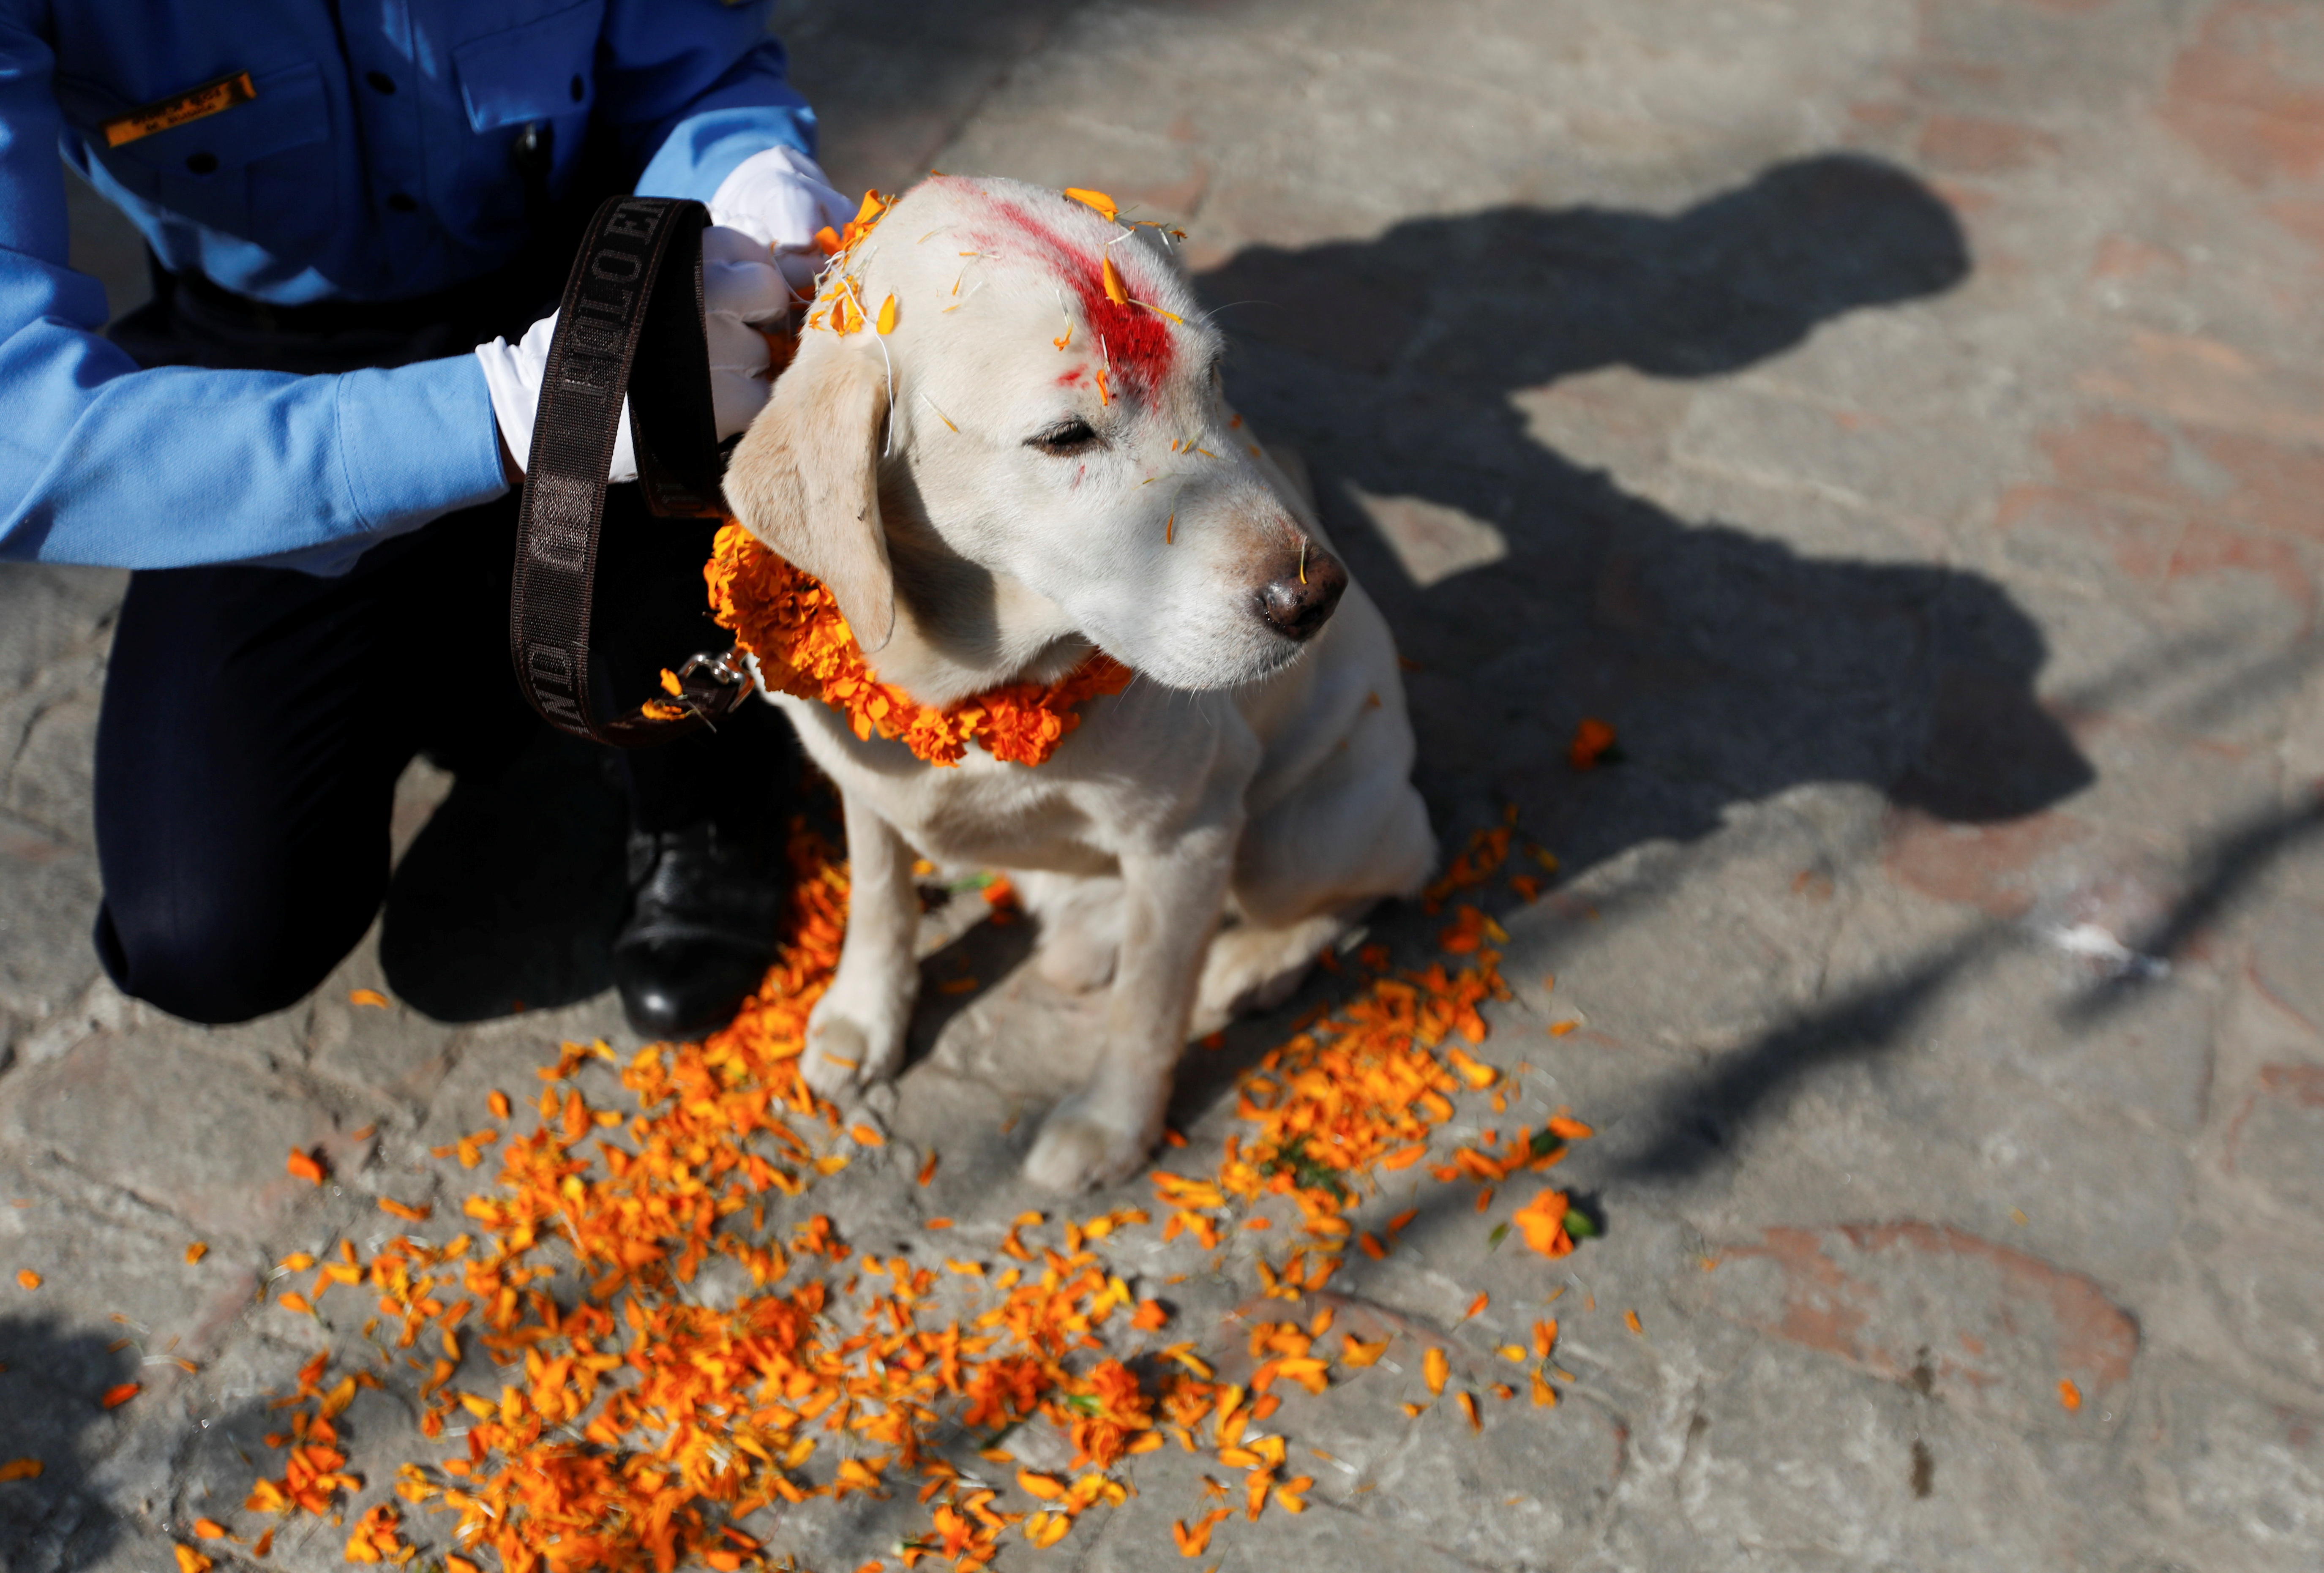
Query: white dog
1037	459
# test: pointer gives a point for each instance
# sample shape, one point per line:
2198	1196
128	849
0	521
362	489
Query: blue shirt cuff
418	442
702	150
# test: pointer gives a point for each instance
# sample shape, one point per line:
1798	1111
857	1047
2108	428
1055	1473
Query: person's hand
780	198
741	287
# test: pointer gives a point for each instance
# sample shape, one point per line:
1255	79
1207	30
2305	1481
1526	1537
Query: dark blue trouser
255	721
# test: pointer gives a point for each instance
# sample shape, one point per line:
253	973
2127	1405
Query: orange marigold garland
803	646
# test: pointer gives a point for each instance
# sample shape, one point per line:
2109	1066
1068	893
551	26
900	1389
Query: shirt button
202	164
403	203
381	81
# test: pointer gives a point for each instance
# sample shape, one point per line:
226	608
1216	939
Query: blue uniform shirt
372	163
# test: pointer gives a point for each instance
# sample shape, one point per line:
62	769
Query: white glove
740	286
780	197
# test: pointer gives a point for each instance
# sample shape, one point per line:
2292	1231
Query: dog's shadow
1734	665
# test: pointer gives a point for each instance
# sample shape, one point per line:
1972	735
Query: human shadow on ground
1734	665
52	1381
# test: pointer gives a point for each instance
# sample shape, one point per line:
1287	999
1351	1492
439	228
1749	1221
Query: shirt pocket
261	170
537	72
542	69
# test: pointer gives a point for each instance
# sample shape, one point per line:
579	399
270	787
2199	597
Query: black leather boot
701	932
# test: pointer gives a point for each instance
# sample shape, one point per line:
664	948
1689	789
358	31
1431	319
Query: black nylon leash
631	322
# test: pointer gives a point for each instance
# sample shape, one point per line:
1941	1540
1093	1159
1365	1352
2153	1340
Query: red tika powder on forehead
1134	341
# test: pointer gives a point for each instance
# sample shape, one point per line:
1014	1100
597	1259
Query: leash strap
631	323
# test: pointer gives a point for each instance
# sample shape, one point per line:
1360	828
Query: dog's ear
805	479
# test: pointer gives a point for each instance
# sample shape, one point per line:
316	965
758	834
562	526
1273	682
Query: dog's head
1045	408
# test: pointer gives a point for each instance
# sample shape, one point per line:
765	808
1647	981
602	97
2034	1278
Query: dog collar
790	623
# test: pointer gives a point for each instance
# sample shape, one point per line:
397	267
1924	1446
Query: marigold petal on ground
1591	739
1542	1222
1194	1539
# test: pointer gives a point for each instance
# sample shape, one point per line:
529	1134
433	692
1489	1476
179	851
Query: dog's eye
1067	437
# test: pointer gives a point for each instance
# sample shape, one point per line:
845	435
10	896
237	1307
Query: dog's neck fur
960	628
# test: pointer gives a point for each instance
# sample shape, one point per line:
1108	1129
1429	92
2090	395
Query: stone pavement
1902	421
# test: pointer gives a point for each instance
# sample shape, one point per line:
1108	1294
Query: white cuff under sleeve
780	198
513	372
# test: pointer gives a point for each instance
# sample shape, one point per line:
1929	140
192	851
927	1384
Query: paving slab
1898	419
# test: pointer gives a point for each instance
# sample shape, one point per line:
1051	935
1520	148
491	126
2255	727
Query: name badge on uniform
180	108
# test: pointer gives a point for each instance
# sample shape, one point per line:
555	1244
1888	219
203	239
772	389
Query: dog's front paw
844	1055
1080	1149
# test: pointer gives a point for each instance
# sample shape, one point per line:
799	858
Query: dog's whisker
1210	314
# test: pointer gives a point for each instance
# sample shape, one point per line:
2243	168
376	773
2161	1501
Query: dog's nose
1300	598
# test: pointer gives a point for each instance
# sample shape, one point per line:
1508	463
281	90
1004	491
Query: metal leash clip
712	685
